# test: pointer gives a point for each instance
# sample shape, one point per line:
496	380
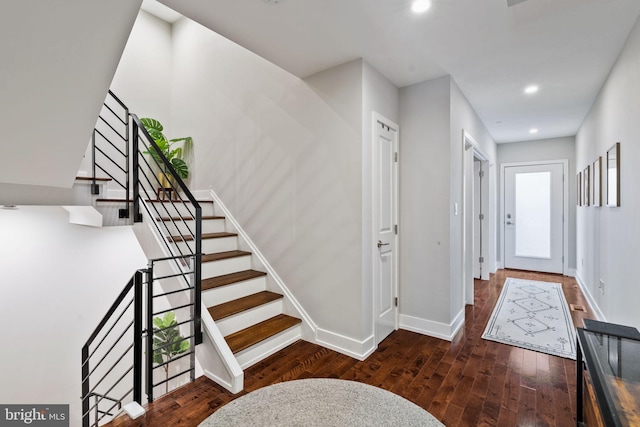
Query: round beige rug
321	402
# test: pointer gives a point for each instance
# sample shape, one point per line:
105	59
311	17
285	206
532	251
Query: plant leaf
180	167
152	125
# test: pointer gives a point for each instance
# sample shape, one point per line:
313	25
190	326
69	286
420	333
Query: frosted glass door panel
533	214
533	217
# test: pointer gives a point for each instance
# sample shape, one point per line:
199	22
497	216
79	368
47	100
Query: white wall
545	149
58	59
464	118
607	237
285	155
57	281
425	170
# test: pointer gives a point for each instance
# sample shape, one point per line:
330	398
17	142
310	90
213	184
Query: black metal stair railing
113	367
110	147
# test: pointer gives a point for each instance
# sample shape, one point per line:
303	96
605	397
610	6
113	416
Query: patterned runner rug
533	315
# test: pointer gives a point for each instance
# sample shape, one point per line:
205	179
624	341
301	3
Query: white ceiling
492	51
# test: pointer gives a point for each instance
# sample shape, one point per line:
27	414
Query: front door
533	217
385	184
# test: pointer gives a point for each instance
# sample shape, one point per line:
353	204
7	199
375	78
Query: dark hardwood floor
467	382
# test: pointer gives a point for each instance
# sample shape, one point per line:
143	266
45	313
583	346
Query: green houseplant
176	155
167	342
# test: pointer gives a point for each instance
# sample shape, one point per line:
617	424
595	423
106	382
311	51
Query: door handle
511	223
380	244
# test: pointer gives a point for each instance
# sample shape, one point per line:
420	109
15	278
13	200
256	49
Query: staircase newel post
137	217
197	272
95	189
85	386
149	370
137	338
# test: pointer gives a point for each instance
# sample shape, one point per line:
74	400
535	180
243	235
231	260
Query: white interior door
477	219
533	217
385	222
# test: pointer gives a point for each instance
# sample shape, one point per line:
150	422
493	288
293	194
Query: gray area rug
533	315
321	402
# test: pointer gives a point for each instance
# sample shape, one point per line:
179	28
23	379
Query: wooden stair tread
188	218
88	178
252	335
239	305
204	236
223	255
227	279
114	200
178	202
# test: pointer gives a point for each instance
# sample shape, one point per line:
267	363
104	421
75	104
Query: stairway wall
57	281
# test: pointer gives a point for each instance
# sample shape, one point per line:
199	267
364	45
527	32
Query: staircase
238	297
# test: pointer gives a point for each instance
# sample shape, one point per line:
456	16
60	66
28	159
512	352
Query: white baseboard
433	329
357	349
235	387
592	302
570	272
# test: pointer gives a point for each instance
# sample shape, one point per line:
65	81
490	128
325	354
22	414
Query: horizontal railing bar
110	369
168	258
172	343
112	309
119	403
116	180
170	248
155	330
170	276
107	353
172	377
111	328
189	288
108	157
108	391
111	143
174	308
174	359
124	122
124	139
103	396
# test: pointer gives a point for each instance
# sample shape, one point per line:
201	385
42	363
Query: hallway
468	382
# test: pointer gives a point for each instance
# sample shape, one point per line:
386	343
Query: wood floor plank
467	382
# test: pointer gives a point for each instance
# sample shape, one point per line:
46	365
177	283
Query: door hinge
481	174
395	228
481	217
481	259
395	157
396	301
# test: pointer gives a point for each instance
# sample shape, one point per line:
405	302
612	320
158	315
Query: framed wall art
585	186
596	200
579	189
613	175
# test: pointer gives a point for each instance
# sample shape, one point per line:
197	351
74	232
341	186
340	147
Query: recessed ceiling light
420	6
533	130
531	89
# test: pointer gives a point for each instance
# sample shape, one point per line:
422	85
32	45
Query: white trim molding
433	329
357	349
592	302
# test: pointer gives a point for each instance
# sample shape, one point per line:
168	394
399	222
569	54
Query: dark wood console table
608	375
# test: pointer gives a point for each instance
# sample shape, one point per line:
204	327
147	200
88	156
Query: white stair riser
233	291
166	209
226	266
263	349
210	246
248	318
174	228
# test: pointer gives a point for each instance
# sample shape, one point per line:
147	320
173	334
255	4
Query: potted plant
175	155
167	342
